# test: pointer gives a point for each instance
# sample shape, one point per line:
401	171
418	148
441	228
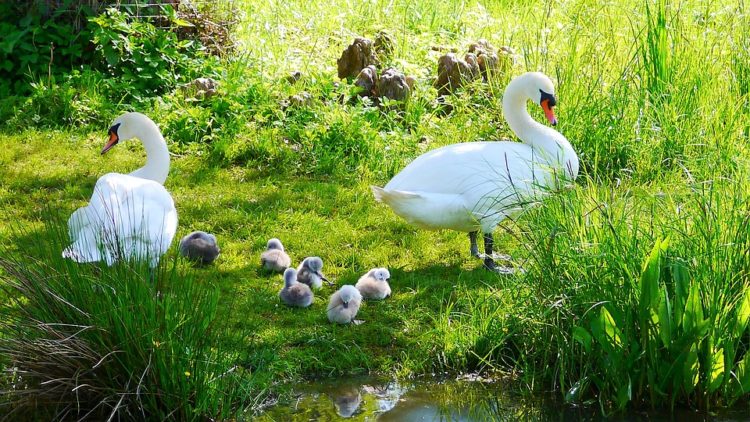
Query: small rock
384	44
392	84
367	81
474	67
454	72
444	48
202	87
302	99
506	59
356	57
487	64
481	46
411	80
294	77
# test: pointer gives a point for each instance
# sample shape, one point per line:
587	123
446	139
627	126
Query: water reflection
369	399
384	400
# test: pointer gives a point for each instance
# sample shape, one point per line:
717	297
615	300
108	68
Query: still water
374	399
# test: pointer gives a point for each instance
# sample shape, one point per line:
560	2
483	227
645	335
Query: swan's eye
549	97
113	129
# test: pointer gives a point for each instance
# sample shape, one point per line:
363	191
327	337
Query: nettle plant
146	59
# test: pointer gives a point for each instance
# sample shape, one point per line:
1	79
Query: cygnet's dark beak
346	304
322	277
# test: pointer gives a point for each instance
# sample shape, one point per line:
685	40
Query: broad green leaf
665	319
112	56
583	337
681	279
650	279
743	314
716	376
691	370
693	319
605	331
624	394
181	22
743	374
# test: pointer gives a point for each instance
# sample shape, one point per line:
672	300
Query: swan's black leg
489	263
474	249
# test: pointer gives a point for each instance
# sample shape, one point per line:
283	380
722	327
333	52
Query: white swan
130	216
474	186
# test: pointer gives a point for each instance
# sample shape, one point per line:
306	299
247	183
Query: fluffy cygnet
200	247
295	293
344	305
274	258
309	273
374	284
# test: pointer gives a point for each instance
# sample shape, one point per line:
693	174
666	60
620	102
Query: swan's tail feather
382	195
377	192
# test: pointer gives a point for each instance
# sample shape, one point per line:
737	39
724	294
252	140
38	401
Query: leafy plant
146	60
41	44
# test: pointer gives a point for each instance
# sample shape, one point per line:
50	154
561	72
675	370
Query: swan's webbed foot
498	257
490	257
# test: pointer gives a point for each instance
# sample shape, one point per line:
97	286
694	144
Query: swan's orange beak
113	140
548	112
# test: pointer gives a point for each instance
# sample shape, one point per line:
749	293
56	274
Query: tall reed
88	341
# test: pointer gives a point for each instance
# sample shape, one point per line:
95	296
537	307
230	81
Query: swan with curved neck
130	216
473	186
137	125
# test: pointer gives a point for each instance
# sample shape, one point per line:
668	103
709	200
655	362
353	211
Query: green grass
654	100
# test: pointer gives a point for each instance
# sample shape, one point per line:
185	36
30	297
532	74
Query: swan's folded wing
126	215
429	210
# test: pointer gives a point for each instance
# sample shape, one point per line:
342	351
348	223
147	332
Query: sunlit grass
654	100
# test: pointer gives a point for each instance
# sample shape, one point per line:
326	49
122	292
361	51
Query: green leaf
604	330
665	319
650	279
10	40
743	374
681	279
182	22
716	377
583	337
693	318
624	394
743	314
691	370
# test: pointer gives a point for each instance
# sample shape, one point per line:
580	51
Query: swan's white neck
550	143
157	154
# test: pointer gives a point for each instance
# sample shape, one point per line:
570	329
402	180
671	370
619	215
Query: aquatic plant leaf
665	319
691	370
650	279
742	372
583	337
743	314
693	318
717	371
625	394
605	331
681	279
